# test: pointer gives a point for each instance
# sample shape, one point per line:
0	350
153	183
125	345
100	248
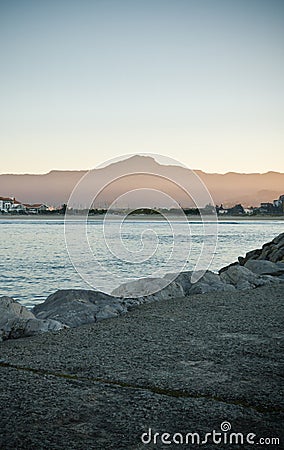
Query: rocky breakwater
17	321
73	308
68	308
272	251
267	261
259	267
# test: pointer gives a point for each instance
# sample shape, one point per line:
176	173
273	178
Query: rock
17	328
279	239
72	307
271	251
16	321
38	326
10	309
243	278
253	254
223	269
153	289
146	290
210	282
139	288
183	279
173	290
280	264
277	255
263	267
75	307
178	367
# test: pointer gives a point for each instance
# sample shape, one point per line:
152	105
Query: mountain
55	187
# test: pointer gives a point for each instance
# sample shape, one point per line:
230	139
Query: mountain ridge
55	186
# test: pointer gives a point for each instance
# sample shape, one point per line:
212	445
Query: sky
85	81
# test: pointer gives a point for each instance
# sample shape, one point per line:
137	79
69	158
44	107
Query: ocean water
35	261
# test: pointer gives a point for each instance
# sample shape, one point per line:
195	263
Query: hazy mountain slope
55	187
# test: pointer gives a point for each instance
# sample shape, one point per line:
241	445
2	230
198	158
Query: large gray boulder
263	267
17	321
153	289
11	309
210	282
17	328
75	307
242	278
183	279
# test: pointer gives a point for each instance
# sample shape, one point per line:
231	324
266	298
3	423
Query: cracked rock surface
181	365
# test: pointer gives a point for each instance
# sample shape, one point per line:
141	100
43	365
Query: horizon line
88	170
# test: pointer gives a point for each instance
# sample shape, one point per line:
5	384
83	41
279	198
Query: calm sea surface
35	261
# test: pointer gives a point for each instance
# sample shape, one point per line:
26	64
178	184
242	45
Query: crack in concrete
177	393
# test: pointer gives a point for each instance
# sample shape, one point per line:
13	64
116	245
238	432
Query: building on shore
5	204
36	208
9	205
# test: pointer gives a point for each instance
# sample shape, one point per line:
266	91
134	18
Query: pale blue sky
197	80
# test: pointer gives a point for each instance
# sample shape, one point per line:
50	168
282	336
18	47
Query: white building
6	204
36	208
11	205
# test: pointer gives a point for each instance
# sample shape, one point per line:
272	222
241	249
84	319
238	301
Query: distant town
12	206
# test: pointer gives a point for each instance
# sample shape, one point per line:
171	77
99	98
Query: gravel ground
177	366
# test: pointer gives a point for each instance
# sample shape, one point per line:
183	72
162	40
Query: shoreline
181	365
138	218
